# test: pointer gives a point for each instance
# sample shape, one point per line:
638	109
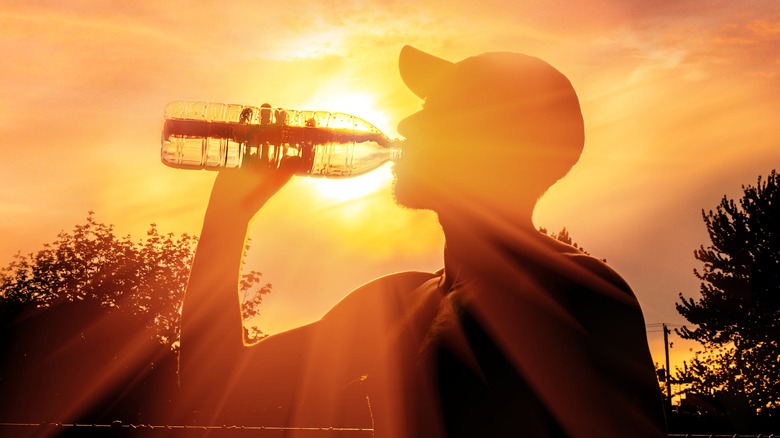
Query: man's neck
473	239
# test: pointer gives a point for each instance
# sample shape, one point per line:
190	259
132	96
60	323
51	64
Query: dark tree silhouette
737	317
90	325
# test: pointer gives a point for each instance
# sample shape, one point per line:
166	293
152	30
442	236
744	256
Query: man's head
498	128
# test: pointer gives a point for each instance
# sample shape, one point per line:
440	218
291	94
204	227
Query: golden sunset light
344	191
680	102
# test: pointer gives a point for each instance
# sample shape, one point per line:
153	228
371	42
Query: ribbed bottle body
199	135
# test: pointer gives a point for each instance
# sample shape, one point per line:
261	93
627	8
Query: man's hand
243	192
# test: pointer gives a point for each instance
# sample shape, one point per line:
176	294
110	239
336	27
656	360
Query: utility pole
668	371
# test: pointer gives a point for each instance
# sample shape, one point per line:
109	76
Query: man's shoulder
401	279
590	286
582	268
600	269
388	293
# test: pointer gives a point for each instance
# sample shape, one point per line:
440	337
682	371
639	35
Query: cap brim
421	71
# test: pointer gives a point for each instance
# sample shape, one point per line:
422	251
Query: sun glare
358	104
351	189
363	105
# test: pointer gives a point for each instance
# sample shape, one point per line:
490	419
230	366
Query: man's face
459	156
444	159
424	174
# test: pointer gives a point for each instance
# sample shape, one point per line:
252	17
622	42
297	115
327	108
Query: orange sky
681	105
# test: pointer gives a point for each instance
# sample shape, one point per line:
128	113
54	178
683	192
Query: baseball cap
507	95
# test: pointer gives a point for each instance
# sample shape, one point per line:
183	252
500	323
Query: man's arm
212	345
310	375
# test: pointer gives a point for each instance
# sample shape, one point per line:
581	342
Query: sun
342	98
362	105
351	189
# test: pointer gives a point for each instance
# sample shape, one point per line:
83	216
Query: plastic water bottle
202	135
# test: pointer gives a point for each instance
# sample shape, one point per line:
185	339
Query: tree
737	317
146	278
89	325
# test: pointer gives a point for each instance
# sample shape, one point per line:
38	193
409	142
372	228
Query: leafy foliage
89	326
146	278
737	317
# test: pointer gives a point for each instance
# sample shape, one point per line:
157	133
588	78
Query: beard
412	189
408	191
404	192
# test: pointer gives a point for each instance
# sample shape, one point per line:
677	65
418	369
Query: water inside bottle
324	152
218	136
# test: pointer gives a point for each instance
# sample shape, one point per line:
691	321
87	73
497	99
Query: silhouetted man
518	334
